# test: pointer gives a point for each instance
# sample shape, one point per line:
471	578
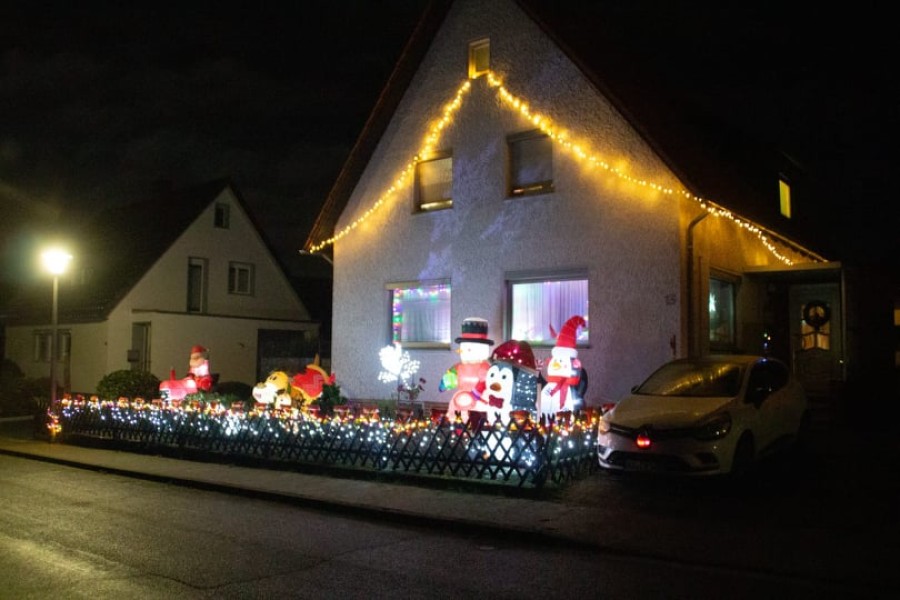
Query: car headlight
603	425
714	428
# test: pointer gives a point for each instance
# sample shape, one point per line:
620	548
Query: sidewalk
534	516
646	523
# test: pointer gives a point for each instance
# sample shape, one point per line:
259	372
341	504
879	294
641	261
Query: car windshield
694	379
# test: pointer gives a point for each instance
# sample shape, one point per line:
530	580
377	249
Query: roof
714	161
118	245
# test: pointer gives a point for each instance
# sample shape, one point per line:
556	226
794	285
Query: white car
712	415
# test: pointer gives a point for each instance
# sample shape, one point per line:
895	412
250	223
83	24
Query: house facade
188	268
497	180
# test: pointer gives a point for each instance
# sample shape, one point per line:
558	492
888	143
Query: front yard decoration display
521	452
198	378
398	368
277	391
566	379
467	376
312	381
281	391
513	380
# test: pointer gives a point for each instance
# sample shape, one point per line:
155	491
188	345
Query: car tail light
642	440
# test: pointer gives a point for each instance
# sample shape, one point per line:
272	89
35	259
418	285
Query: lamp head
56	260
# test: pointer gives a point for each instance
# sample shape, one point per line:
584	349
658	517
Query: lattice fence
522	453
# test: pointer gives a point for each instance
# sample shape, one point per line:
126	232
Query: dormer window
479	58
784	194
223	214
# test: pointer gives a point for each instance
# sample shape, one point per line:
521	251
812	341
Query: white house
501	177
150	280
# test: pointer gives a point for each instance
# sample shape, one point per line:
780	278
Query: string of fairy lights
579	150
339	438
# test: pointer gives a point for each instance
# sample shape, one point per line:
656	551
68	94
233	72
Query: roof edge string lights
562	139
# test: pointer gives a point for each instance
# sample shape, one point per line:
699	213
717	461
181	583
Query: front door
817	344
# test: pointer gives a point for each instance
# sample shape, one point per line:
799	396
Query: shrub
130	384
331	397
234	391
20	395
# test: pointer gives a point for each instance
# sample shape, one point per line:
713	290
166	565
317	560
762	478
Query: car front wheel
743	456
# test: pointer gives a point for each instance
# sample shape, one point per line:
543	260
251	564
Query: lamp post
55	261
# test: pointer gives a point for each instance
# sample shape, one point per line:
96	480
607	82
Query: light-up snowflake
398	367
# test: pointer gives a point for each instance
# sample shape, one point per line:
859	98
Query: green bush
331	397
20	395
229	392
130	384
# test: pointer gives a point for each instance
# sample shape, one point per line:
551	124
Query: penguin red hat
566	341
198	349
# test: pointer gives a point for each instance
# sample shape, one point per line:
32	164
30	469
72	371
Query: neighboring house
150	280
503	175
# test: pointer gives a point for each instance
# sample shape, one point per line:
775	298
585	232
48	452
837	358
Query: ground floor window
42	342
540	306
721	313
420	313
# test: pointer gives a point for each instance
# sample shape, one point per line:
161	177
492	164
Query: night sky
99	100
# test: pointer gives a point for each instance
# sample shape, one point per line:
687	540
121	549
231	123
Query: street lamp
55	261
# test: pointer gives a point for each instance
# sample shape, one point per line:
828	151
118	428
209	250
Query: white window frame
555	310
527	173
433	193
238	285
441	337
41	345
200	267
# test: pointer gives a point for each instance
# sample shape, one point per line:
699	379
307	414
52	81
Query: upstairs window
420	313
784	195
434	183
240	278
530	164
196	285
541	305
479	58
223	216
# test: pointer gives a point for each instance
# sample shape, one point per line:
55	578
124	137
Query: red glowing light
643	441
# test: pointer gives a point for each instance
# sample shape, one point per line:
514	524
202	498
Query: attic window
784	194
434	183
222	219
530	164
479	58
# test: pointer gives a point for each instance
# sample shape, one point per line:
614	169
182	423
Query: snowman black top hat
474	330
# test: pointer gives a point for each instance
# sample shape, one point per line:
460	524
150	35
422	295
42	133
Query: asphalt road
71	533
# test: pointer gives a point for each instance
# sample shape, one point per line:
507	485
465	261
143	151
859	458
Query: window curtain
539	305
424	314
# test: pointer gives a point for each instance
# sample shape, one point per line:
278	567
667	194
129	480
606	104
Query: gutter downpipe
691	333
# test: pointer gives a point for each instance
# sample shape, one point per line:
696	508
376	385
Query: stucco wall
625	236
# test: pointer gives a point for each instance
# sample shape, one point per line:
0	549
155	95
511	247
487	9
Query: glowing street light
55	261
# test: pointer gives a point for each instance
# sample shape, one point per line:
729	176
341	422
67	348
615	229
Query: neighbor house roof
116	248
714	161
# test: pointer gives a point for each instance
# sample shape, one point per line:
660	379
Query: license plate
640	465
